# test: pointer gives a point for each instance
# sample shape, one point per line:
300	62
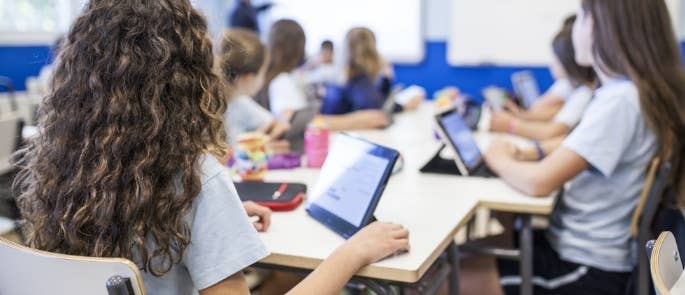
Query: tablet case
263	193
440	165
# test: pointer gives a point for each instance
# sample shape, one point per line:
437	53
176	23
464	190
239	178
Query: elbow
538	187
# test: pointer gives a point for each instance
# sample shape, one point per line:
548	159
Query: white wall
436	19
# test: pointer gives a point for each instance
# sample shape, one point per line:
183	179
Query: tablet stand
440	165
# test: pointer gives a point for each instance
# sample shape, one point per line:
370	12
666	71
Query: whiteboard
396	23
511	32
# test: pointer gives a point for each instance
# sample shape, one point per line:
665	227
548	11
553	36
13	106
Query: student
567	74
638	113
322	69
241	63
125	163
368	76
582	81
283	91
244	15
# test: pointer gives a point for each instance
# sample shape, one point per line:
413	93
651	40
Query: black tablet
298	125
459	138
350	184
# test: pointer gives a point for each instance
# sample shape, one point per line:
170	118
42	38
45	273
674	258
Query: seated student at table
241	63
582	80
637	113
368	78
125	163
283	91
567	77
321	69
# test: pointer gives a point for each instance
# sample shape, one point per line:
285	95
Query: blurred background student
242	65
245	15
284	92
368	78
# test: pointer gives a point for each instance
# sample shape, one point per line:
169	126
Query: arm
531	153
371	244
534	178
505	122
234	284
364	119
544	109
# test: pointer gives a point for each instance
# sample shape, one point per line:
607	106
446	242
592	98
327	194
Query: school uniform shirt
562	88
359	93
286	93
574	107
243	114
591	225
223	240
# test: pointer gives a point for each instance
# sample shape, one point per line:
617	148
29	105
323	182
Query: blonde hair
362	57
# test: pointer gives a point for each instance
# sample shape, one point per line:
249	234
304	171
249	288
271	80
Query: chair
665	265
641	223
28	271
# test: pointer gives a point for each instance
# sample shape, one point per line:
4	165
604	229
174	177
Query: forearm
521	175
543	110
331	275
533	154
538	130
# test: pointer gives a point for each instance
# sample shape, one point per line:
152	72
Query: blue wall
434	73
18	63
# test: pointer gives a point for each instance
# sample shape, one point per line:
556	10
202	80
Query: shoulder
619	95
211	170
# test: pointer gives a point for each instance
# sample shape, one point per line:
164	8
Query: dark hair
562	45
241	53
635	39
135	105
286	52
286	48
327	45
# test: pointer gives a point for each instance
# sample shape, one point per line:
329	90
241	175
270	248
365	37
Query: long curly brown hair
135	105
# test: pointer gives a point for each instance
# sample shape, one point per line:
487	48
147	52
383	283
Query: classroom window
38	16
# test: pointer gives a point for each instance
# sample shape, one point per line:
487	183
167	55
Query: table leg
526	250
453	278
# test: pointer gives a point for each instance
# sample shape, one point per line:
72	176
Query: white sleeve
605	133
574	107
561	88
285	94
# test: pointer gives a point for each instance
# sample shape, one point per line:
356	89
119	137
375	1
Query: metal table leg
526	250
453	259
377	287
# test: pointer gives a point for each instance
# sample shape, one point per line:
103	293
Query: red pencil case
277	196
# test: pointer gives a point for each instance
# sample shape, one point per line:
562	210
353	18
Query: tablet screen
461	139
349	179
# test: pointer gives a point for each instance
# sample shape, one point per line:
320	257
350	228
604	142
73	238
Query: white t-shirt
223	241
286	93
243	114
561	88
574	107
591	224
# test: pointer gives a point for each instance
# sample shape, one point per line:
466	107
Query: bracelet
541	152
512	126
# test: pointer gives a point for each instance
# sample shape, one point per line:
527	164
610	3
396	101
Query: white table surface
433	207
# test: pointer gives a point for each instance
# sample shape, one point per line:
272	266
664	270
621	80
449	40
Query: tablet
350	184
458	137
298	125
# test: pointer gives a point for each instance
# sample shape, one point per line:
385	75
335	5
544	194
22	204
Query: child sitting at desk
637	113
368	78
241	63
126	162
283	92
581	80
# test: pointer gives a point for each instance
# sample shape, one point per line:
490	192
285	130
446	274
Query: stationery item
251	156
277	196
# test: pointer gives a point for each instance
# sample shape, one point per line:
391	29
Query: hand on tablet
262	213
377	241
500	121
